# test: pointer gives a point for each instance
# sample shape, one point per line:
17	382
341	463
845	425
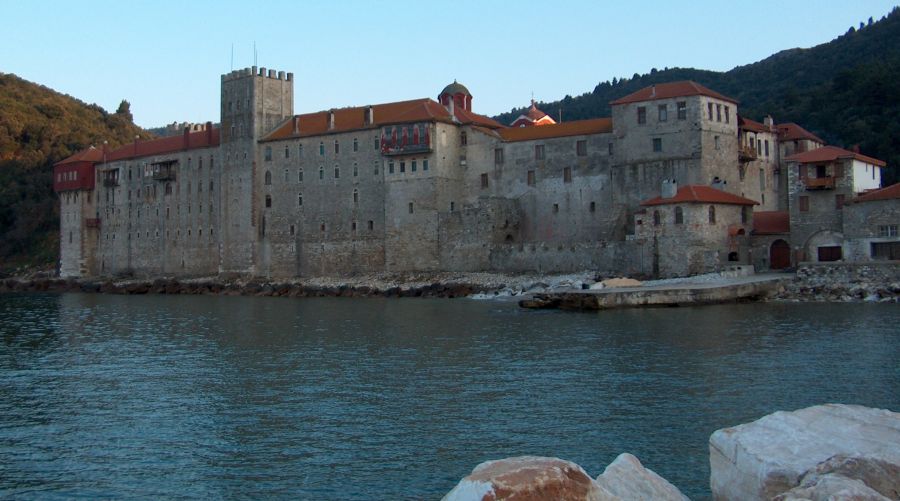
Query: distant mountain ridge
847	90
39	126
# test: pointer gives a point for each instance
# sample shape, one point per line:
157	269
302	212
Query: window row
662	112
336	147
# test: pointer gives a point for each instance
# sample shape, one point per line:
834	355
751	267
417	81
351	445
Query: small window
663	112
300	176
355	197
745	214
375	167
539	152
376	143
287	153
452	206
656	218
337	147
567	174
371	225
610	148
390	167
424	164
321	172
268	201
718	113
355	144
355	170
727	115
300	200
641	115
463	138
716	140
413	166
531	178
410	207
321	149
709	109
555	208
299	151
268	155
268	179
679	215
498	155
682	110
767	147
712	214
657	144
322	227
581	148
887	230
593	207
337	172
292	229
484	181
402	167
804	203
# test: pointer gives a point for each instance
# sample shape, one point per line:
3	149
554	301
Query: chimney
669	188
209	134
370	115
330	119
769	122
135	144
296	124
187	135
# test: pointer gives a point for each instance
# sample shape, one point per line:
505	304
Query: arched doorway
779	255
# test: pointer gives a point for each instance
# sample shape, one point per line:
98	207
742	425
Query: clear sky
166	57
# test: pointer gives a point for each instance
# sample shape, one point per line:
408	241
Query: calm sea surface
236	397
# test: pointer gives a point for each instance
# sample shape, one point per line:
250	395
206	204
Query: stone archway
825	245
779	255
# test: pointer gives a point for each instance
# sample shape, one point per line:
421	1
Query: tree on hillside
124	110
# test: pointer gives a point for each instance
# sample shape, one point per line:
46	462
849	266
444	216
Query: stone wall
862	227
874	281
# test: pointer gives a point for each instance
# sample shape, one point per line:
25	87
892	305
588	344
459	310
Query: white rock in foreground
771	456
528	478
627	478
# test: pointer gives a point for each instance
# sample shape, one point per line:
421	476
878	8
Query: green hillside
847	91
38	127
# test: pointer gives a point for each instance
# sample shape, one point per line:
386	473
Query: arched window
463	138
355	196
337	147
321	149
268	178
300	176
712	214
268	201
656	218
300	200
679	215
321	172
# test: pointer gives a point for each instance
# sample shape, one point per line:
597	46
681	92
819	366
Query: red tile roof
888	193
89	154
751	125
697	193
790	131
201	139
830	154
574	128
348	119
771	222
669	90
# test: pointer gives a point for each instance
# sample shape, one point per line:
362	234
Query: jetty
724	290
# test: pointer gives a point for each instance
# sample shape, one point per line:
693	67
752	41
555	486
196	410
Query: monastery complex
675	182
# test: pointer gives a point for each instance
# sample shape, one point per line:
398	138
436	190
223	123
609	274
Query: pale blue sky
166	57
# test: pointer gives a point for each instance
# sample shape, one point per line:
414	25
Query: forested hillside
38	127
847	91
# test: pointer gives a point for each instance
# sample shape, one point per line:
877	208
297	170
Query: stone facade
417	185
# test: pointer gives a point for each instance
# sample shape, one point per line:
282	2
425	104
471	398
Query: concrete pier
725	290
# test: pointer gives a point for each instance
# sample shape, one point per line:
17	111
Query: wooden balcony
746	153
93	222
409	149
164	171
819	183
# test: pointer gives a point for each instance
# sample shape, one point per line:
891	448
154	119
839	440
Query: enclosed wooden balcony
747	154
407	149
819	183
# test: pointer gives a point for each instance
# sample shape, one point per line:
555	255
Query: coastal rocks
845	282
801	454
627	478
528	478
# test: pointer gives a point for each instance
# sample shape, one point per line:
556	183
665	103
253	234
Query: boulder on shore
827	451
527	478
627	478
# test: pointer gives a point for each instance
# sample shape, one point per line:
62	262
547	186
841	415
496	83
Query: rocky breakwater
527	478
845	282
830	451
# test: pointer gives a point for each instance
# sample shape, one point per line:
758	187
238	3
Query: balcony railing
819	183
407	149
93	222
164	174
747	154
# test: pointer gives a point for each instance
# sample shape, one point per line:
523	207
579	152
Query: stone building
418	185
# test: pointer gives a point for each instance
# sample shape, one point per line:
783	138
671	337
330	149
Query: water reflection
358	398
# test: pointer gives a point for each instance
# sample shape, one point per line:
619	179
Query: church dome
455	88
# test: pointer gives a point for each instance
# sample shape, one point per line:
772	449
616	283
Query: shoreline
838	282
